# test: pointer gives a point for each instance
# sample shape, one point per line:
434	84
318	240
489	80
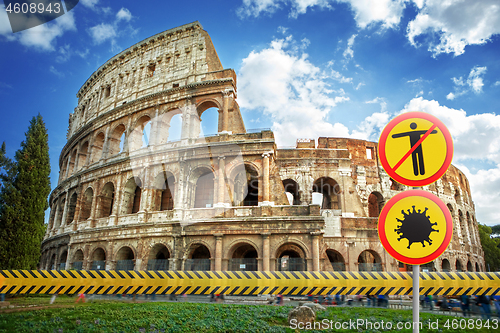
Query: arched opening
62	173
82	155
204	190
330	191
445	265
107	200
477	267
429	267
458	266
375	204
158	258
97	147
292	191
72	161
131	196
457	196
370	261
125	259
198	259
209	122
175	128
463	226
469	266
86	206
59	213
244	258
77	260
71	209
62	260
52	263
252	192
98	259
139	138
395	185
290	257
116	140
336	260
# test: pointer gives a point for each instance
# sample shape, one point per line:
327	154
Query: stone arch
86	205
375	204
198	257
395	186
445	265
71	208
98	259
171	124
203	181
52	262
457	196
63	257
207	104
469	266
330	191
131	198
290	256
97	147
243	256
337	262
458	266
292	187
107	200
139	136
477	267
77	260
369	260
164	190
116	140
158	257
72	162
83	155
59	212
125	258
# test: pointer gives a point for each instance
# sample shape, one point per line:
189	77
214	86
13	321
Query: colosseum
142	187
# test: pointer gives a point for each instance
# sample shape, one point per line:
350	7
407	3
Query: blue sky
306	68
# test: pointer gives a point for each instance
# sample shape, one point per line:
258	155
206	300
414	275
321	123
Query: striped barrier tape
244	283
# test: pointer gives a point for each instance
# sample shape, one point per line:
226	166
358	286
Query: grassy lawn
107	316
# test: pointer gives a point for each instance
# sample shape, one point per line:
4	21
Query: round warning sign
415	227
415	149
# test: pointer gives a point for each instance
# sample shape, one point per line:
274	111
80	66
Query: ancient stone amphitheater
141	187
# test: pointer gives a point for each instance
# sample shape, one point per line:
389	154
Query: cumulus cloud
473	83
285	85
102	32
455	24
124	14
42	37
475	138
366	12
89	3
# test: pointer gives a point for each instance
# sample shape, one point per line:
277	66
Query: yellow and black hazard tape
244	283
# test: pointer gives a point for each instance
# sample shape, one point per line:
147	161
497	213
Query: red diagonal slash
414	147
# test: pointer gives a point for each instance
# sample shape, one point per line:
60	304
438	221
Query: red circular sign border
383	159
381	227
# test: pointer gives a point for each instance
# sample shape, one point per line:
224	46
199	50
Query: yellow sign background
416	250
433	147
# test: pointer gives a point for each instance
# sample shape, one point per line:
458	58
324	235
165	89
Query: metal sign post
416	298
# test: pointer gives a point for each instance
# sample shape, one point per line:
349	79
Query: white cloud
475	138
366	12
496	84
124	14
349	52
89	3
455	23
56	72
102	32
473	83
286	86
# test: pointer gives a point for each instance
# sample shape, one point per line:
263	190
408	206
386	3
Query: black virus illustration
416	227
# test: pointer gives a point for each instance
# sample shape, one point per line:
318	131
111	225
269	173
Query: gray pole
416	298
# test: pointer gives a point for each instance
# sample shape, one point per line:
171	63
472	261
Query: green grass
106	316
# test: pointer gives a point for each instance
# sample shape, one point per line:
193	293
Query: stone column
65	211
265	181
221	184
315	250
225	113
218	252
265	251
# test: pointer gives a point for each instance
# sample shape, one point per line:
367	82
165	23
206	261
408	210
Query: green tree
23	199
496	230
490	248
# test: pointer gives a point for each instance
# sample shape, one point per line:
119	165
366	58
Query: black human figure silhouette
417	155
